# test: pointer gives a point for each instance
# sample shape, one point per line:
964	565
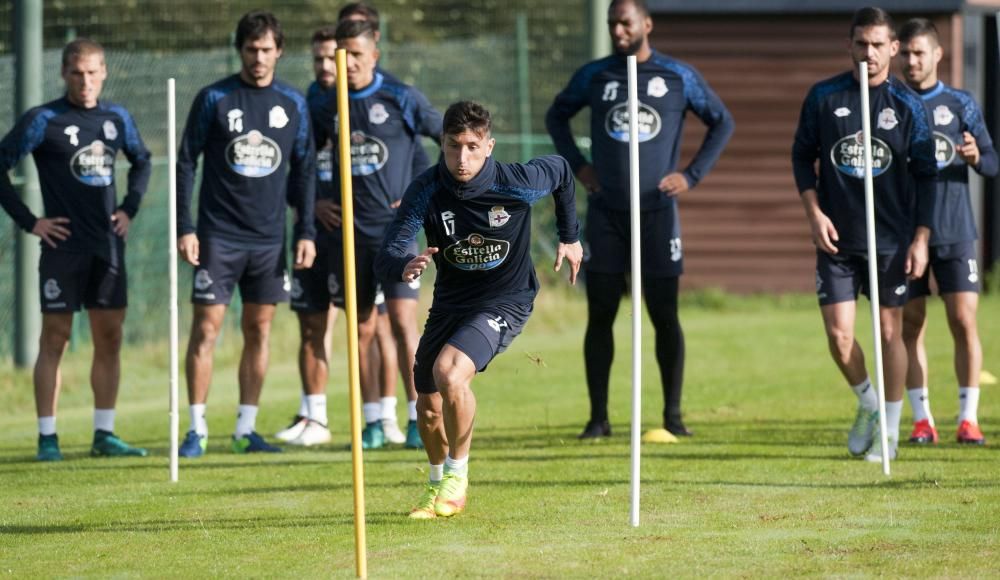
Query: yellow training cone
659	436
987	378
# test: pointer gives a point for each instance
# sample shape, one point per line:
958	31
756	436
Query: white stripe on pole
633	179
172	252
866	128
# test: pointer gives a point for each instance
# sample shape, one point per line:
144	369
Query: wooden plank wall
743	227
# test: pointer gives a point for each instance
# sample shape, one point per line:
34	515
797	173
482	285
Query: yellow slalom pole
351	309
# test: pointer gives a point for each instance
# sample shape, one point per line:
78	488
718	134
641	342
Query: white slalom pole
633	166
866	129
172	252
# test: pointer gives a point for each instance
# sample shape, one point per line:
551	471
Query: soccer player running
668	89
476	213
254	134
829	131
388	119
961	142
74	141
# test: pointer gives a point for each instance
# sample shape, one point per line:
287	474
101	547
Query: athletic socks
104	420
436	472
388	409
316	408
920	402
459	467
303	406
372	411
198	423
246	420
893	413
47	425
866	395
411	408
968	404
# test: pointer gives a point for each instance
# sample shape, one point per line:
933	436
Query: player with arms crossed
476	213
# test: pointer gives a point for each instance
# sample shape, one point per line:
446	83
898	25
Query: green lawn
765	488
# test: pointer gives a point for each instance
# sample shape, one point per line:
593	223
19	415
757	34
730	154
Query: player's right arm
193	142
566	105
805	153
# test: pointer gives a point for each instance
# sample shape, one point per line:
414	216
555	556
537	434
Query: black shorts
955	270
310	288
367	285
69	281
260	272
480	334
840	277
609	246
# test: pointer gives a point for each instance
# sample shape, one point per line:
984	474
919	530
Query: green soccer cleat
48	448
373	437
424	510
413	440
107	444
862	434
450	500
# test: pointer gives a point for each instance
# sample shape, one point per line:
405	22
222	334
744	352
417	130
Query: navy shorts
367	285
480	334
69	281
840	277
609	246
310	288
260	272
955	270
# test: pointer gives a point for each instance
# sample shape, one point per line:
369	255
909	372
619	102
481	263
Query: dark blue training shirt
74	150
667	88
258	155
481	228
953	112
387	120
902	160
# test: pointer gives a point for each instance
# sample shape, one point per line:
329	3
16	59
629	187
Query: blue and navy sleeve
140	165
567	104
544	175
392	259
922	163
193	141
805	149
703	101
972	118
429	122
25	137
302	176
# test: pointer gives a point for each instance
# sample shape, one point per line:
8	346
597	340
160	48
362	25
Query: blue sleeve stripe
302	107
578	85
921	125
971	115
33	136
132	139
525	194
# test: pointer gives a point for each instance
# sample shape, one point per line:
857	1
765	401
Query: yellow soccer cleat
450	499
424	510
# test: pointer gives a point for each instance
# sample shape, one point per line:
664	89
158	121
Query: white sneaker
862	434
292	431
875	453
314	433
392	433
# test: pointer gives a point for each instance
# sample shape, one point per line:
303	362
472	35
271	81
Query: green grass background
765	488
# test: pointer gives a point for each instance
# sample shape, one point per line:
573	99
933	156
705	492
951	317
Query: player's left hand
969	151
305	254
674	184
121	222
916	259
574	254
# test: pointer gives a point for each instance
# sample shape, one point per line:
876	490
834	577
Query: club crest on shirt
276	117
943	115
377	114
94	165
110	131
498	216
202	280
842	112
848	156
235	117
368	153
657	87
616	123
887	119
253	155
72	131
51	289
944	150
477	252
611	91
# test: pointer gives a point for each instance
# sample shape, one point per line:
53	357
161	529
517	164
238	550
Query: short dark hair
368	12
872	16
325	34
80	47
640	5
919	27
467	116
354	28
255	25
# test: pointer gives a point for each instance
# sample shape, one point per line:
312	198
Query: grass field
765	488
